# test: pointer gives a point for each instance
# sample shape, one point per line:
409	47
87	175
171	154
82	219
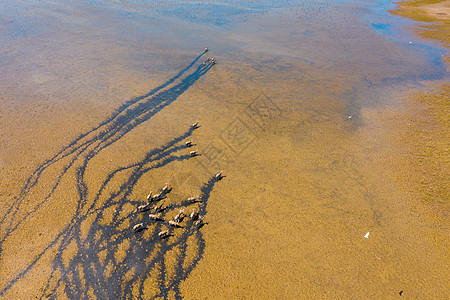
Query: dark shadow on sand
141	256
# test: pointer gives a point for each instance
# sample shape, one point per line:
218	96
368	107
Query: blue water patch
384	28
437	67
392	28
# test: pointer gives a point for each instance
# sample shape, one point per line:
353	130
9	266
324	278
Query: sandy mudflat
439	10
428	137
327	123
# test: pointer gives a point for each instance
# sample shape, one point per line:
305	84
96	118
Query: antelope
193	215
138	227
193	153
213	61
206	49
199	223
219	175
195	125
145	207
208	58
158	208
189	143
179	217
165	189
163	234
193	199
174	224
155	217
149	197
157	197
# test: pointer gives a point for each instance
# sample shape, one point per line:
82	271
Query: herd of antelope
155	205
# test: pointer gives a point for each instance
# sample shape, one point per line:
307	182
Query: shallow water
97	101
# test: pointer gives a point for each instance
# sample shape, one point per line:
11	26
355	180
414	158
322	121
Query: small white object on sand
367	235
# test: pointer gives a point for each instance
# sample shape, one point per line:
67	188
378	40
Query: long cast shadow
116	128
107	269
87	146
122	116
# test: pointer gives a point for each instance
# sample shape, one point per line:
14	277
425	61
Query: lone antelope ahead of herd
219	175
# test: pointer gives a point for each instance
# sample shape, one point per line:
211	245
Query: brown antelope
155	217
199	223
142	208
194	215
149	197
206	49
174	224
158	208
189	143
193	199
165	189
157	197
179	217
193	153
138	227
163	234
219	175
195	125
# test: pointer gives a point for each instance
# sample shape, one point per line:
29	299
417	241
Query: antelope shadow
78	153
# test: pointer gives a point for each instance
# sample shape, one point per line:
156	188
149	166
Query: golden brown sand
303	185
428	135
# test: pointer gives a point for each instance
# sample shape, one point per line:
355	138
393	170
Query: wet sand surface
308	112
